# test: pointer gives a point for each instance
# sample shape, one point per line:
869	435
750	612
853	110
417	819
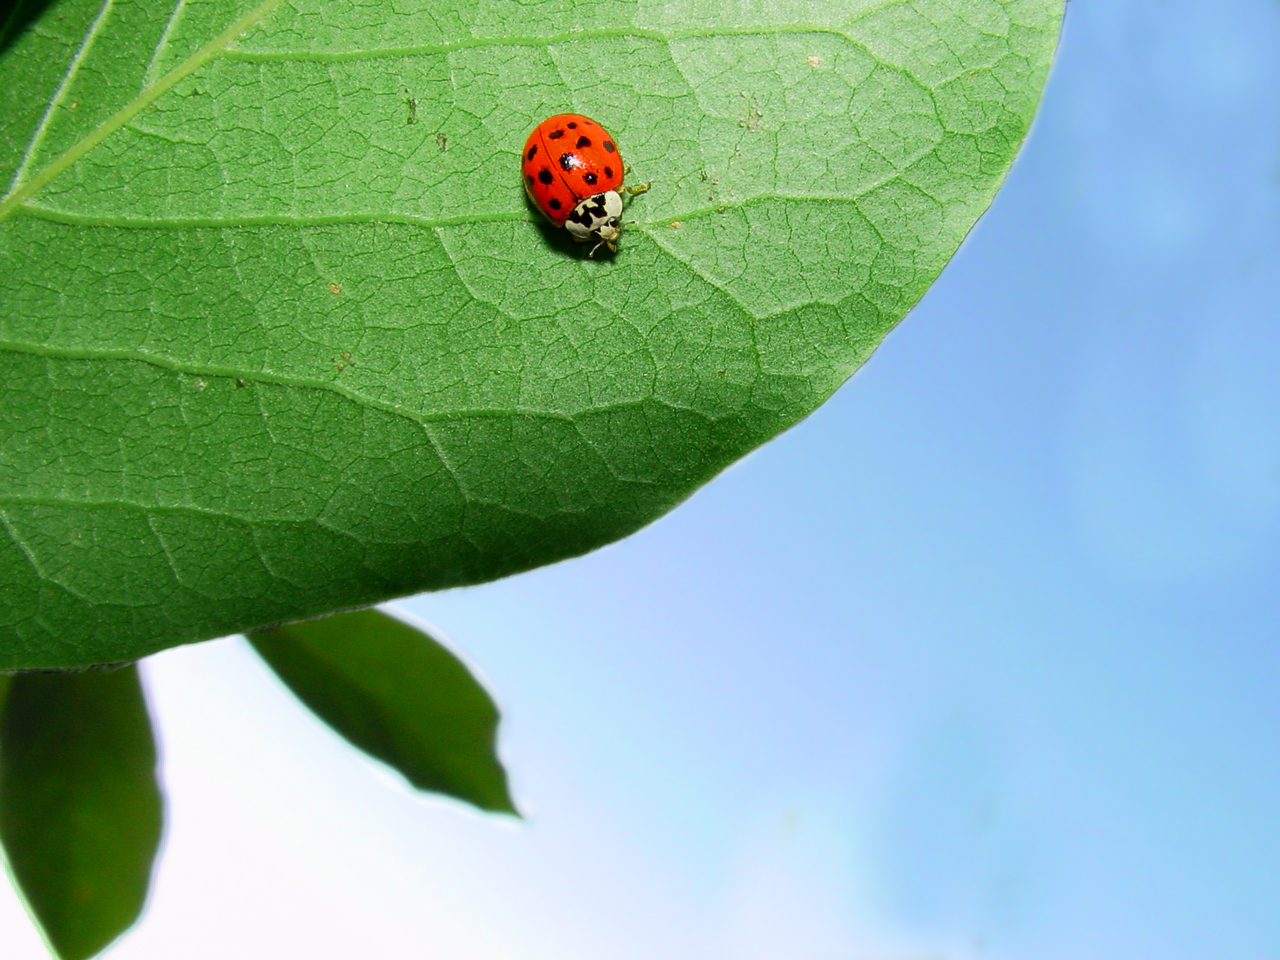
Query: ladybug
573	173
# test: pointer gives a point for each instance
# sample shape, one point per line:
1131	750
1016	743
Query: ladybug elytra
573	173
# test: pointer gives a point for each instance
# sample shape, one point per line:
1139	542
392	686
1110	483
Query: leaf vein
304	383
149	77
69	78
548	40
20	543
21	192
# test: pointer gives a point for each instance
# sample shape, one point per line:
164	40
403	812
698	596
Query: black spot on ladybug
573	125
529	177
609	147
608	172
555	134
532	151
591	179
545	175
570	161
554	203
583	142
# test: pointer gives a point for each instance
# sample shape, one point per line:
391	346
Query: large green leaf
399	695
80	807
281	334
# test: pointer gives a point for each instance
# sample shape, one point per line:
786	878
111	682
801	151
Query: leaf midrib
23	191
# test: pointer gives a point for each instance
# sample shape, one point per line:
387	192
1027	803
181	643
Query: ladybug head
606	235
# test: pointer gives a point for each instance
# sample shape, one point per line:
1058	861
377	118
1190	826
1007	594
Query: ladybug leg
634	191
611	244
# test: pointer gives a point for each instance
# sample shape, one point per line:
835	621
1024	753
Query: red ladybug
573	173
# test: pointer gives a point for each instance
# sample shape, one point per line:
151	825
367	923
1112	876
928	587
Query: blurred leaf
80	807
281	334
398	695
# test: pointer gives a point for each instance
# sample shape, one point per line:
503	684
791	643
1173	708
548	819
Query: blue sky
980	660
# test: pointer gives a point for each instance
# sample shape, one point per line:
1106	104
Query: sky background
980	660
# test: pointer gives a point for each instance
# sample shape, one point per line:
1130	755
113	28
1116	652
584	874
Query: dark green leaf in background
279	333
398	695
80	808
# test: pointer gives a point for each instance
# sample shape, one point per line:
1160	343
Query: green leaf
80	808
398	695
281	334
